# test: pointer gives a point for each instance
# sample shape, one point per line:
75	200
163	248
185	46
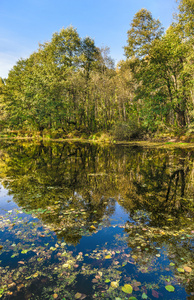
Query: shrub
125	131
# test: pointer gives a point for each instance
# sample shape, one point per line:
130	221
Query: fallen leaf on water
19	287
169	288
187	269
108	256
55	296
181	270
78	295
114	284
136	283
127	288
155	294
144	296
93	227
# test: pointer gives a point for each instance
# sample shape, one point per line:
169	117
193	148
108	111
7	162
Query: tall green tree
144	29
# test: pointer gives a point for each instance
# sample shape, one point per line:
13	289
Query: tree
168	57
185	17
144	29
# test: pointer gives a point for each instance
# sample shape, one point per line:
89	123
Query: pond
84	221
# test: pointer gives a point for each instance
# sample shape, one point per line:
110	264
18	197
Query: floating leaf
144	296
187	269
114	284
169	288
108	256
127	288
136	283
107	281
35	275
93	227
172	264
55	296
181	270
132	298
155	294
78	295
24	251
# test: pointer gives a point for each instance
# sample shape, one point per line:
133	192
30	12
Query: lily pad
169	288
127	288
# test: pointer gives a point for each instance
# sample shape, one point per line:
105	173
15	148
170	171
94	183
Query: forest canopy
71	85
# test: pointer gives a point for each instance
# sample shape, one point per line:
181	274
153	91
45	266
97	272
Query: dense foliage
70	85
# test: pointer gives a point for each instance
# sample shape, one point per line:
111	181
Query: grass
101	138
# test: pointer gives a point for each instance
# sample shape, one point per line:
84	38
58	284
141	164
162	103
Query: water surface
82	221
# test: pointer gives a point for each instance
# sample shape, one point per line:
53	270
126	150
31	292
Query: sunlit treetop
144	29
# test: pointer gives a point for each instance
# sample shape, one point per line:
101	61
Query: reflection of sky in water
5	200
112	238
120	216
3	192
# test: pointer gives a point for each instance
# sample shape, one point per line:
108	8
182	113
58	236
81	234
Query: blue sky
26	23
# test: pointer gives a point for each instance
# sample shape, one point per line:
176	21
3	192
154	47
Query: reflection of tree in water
66	181
73	187
146	242
162	186
76	183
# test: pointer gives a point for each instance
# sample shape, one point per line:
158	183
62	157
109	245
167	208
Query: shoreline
171	143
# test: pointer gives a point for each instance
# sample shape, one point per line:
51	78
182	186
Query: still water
82	221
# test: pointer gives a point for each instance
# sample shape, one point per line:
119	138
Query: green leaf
169	288
144	296
127	288
107	281
181	270
24	251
